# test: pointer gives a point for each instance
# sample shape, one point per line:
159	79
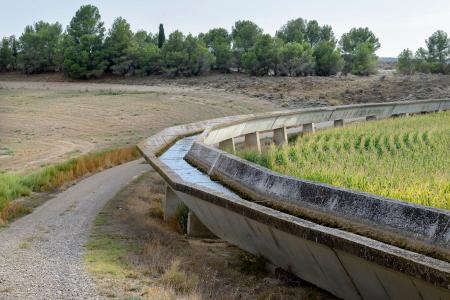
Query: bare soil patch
293	91
134	254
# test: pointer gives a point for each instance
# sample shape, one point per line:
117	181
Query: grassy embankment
405	158
53	176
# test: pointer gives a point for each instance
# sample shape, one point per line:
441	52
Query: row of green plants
50	177
85	50
405	158
435	58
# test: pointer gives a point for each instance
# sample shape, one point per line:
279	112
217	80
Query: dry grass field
42	123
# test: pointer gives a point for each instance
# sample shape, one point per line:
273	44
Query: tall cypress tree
14	51
161	36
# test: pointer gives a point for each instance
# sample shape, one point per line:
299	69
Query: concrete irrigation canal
354	245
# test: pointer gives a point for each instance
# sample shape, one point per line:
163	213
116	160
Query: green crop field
404	158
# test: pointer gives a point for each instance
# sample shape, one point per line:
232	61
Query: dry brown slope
42	122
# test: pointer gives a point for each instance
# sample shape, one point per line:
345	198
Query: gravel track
41	254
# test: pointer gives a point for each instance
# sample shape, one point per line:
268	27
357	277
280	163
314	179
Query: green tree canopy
293	31
218	40
199	58
421	61
300	31
405	63
142	37
364	60
120	46
244	34
6	55
355	46
313	32
296	59
41	47
434	59
186	55
438	51
146	54
438	46
84	56
328	59
260	59
350	41
148	59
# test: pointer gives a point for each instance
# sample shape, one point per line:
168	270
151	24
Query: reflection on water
173	158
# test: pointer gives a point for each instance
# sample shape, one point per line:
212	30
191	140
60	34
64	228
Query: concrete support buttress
280	136
195	228
170	203
339	123
228	145
309	127
371	118
252	141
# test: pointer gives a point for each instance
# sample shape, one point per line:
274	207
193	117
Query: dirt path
41	254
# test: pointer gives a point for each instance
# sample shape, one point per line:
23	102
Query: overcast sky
398	23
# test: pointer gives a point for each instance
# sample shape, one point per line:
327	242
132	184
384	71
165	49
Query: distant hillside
387	59
387	63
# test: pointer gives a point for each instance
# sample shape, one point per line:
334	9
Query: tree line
435	58
86	50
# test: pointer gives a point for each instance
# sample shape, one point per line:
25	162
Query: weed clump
177	279
51	177
251	264
180	219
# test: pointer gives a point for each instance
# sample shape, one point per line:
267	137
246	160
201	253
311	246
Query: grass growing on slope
53	176
405	158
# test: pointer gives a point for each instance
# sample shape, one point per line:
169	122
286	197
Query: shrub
296	59
406	62
328	59
364	60
178	279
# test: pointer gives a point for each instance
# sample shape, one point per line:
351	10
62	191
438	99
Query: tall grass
51	177
406	158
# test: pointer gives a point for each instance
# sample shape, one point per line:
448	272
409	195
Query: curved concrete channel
173	157
347	264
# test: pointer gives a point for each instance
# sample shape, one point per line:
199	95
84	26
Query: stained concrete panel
311	261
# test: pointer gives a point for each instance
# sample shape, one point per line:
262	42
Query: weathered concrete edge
435	234
322	114
335	207
420	266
